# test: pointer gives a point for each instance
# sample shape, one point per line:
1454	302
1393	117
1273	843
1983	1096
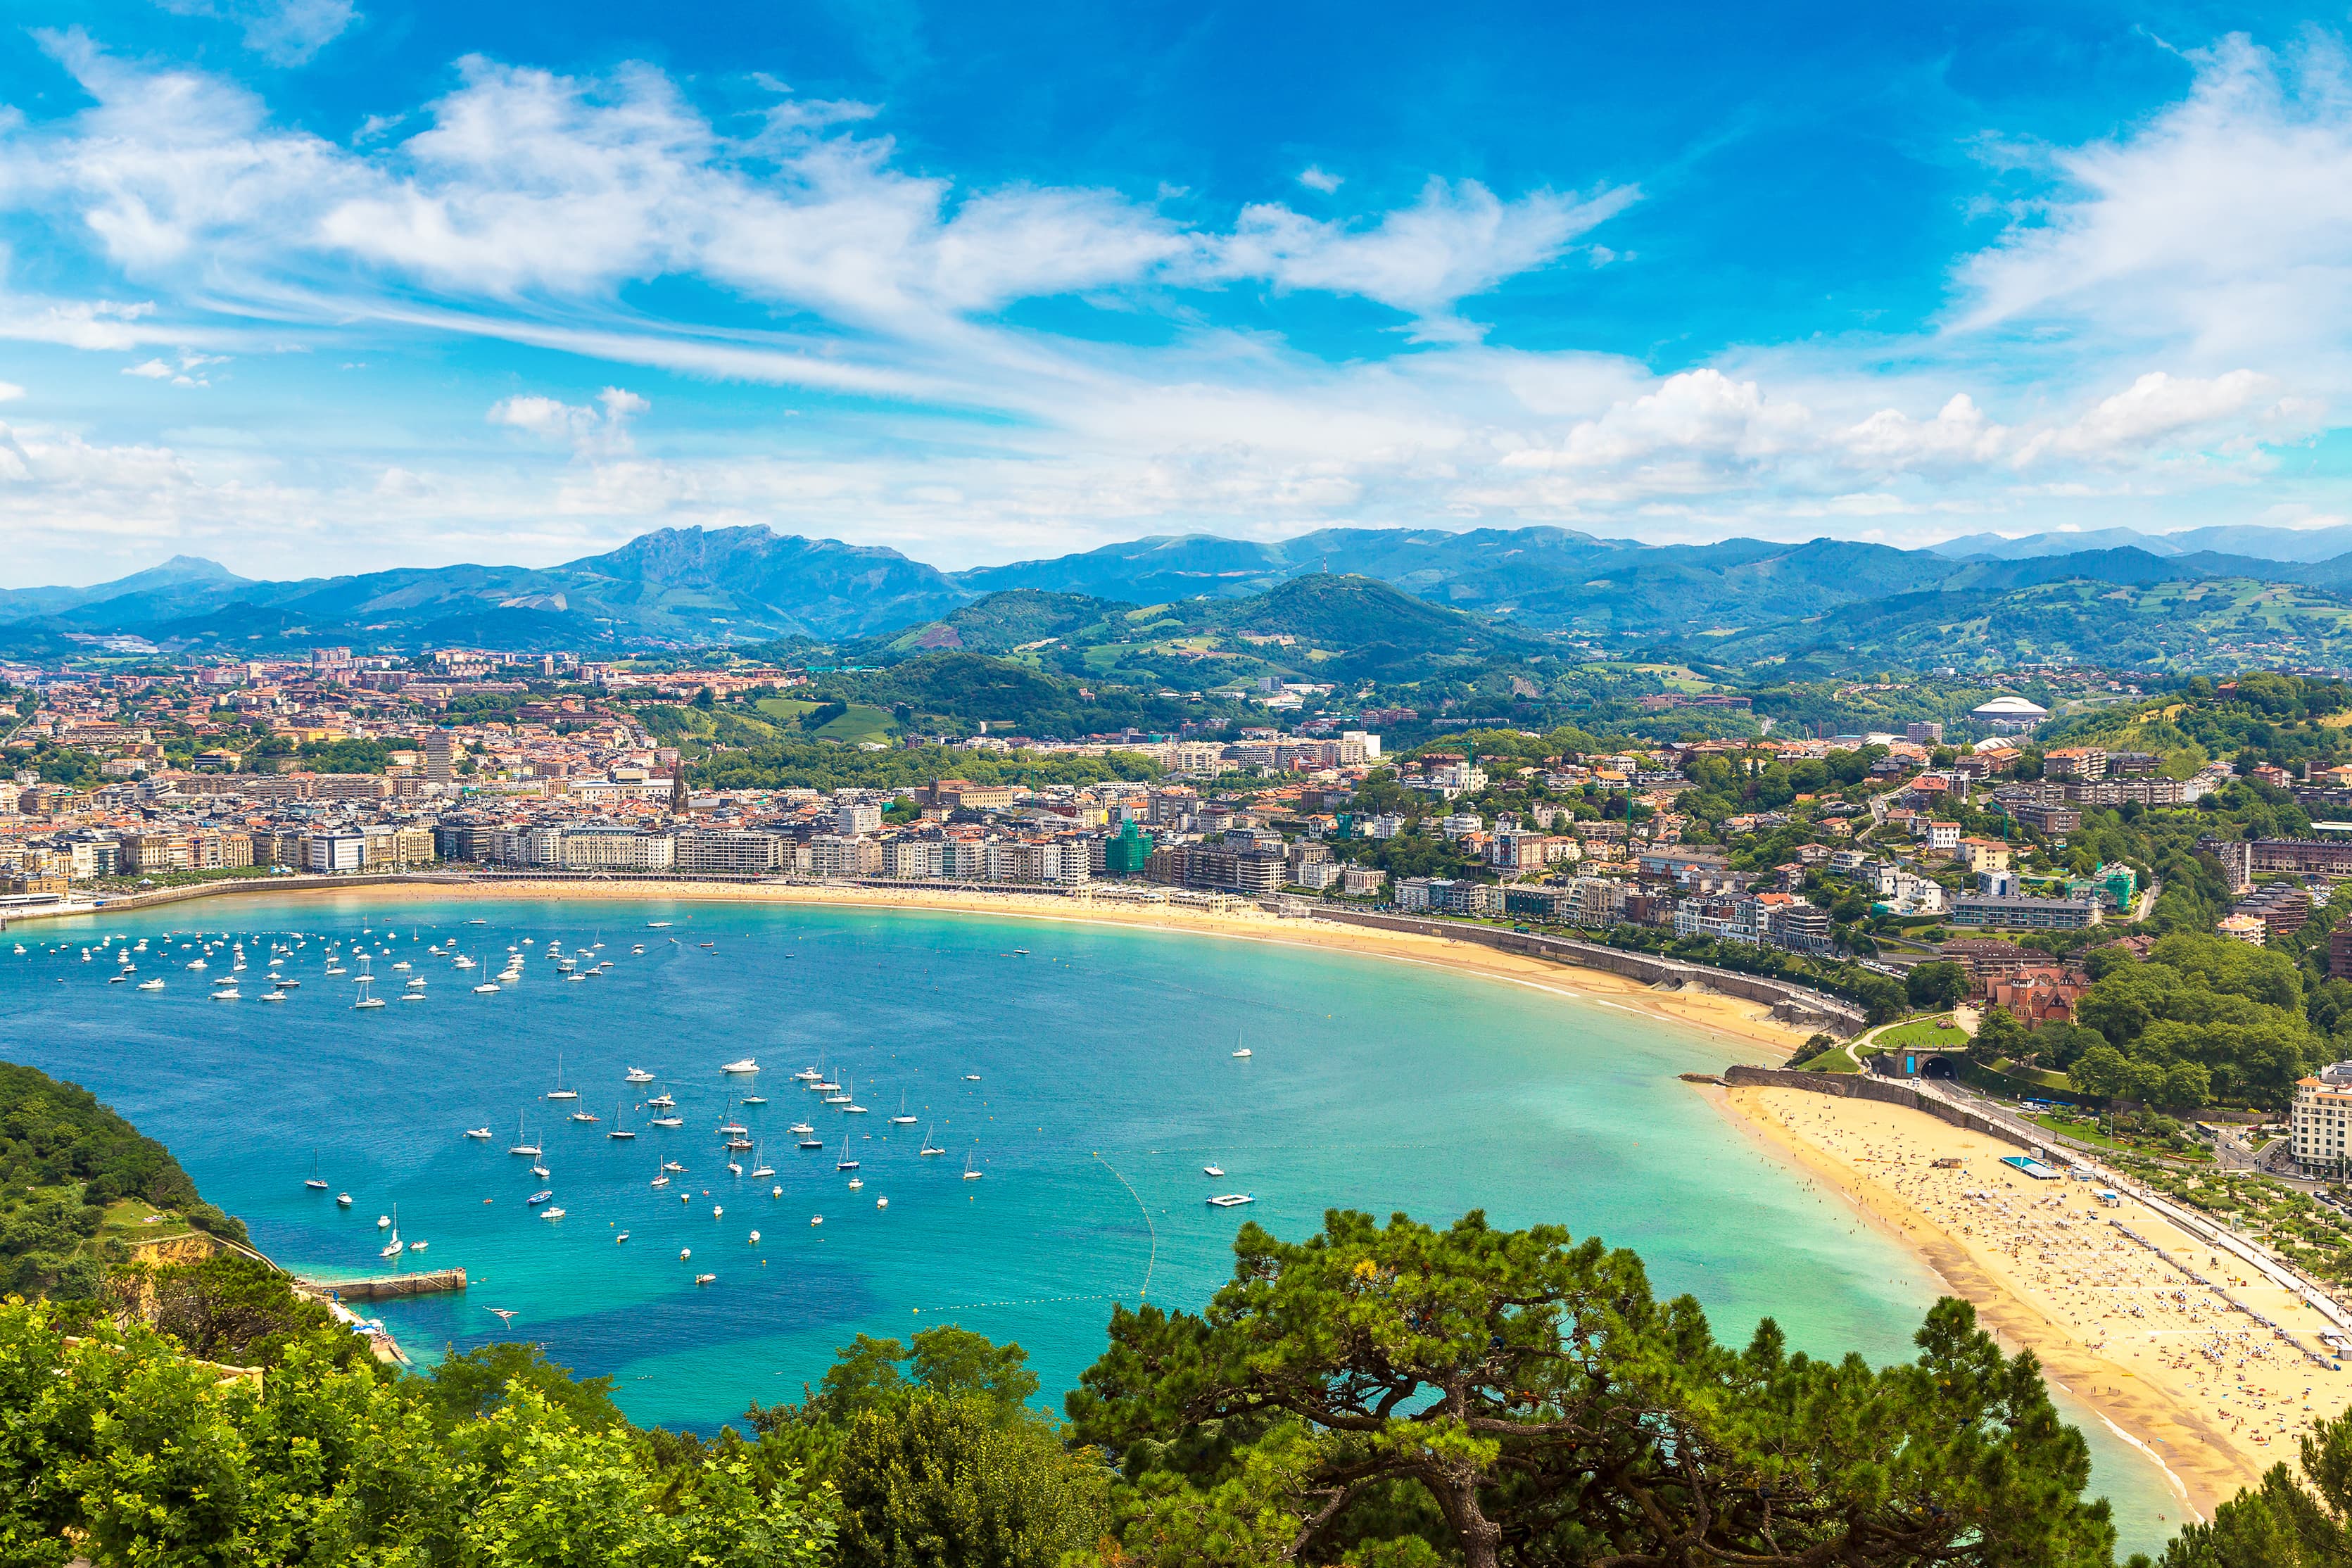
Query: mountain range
1746	599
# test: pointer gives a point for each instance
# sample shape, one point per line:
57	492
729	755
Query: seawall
1791	1004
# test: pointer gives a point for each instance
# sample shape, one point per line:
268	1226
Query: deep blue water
1105	1083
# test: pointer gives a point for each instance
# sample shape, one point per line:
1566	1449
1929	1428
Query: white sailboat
316	1183
618	1130
972	1172
929	1148
392	1247
559	1091
521	1145
903	1118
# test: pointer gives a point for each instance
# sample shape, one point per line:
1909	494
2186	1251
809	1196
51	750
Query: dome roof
2008	707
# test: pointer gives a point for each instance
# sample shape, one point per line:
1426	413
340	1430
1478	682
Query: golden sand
2213	1395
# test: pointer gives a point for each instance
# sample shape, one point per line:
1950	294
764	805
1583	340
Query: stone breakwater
1790	1003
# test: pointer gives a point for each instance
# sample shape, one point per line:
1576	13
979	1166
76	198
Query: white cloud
2223	226
2096	363
597	428
1317	179
1456	241
284	31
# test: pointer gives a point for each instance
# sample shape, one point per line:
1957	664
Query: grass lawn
1922	1034
126	1220
862	722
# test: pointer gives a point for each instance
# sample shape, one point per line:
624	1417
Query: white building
334	852
855	816
2323	1109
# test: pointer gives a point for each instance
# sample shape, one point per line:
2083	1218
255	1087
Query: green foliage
783	763
471	1384
942	1481
153	1460
63	1157
1415	1395
1939	984
2204	1018
346	756
226	1308
2289	1520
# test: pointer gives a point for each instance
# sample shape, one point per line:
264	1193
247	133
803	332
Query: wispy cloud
2166	312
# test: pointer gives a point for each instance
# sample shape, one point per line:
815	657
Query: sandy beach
2106	1297
1731	1019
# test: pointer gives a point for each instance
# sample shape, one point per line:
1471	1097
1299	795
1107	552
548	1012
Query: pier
389	1285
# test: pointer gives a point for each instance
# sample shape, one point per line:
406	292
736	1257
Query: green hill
71	1173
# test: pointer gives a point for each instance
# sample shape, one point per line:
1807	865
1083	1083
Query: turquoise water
1105	1083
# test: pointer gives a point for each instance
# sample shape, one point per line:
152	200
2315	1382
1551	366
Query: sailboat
317	1182
1239	1051
661	1176
618	1130
761	1167
848	1162
393	1249
902	1118
521	1147
365	1000
559	1091
972	1172
929	1147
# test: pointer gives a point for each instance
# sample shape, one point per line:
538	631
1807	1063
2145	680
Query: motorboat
482	1132
484	989
743	1065
706	1278
638	1074
539	1197
228	995
150	985
550	1214
673	1165
342	1200
418	1246
800	1129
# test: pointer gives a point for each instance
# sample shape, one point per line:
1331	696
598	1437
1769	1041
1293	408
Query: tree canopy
1478	1395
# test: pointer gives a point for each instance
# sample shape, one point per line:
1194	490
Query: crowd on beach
2108	1291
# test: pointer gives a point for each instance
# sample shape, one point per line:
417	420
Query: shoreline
2185	1379
1728	1018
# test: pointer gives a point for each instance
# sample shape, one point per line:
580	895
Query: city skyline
362	287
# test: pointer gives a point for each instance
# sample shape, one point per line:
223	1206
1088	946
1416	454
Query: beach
2103	1296
1727	1018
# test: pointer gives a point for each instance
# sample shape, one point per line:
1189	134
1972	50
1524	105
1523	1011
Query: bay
1086	1071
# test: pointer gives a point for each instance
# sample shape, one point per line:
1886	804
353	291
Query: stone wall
1864	1086
1790	1003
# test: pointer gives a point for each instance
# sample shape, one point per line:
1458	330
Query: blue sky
315	286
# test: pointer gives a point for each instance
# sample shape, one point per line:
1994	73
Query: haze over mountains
696	586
